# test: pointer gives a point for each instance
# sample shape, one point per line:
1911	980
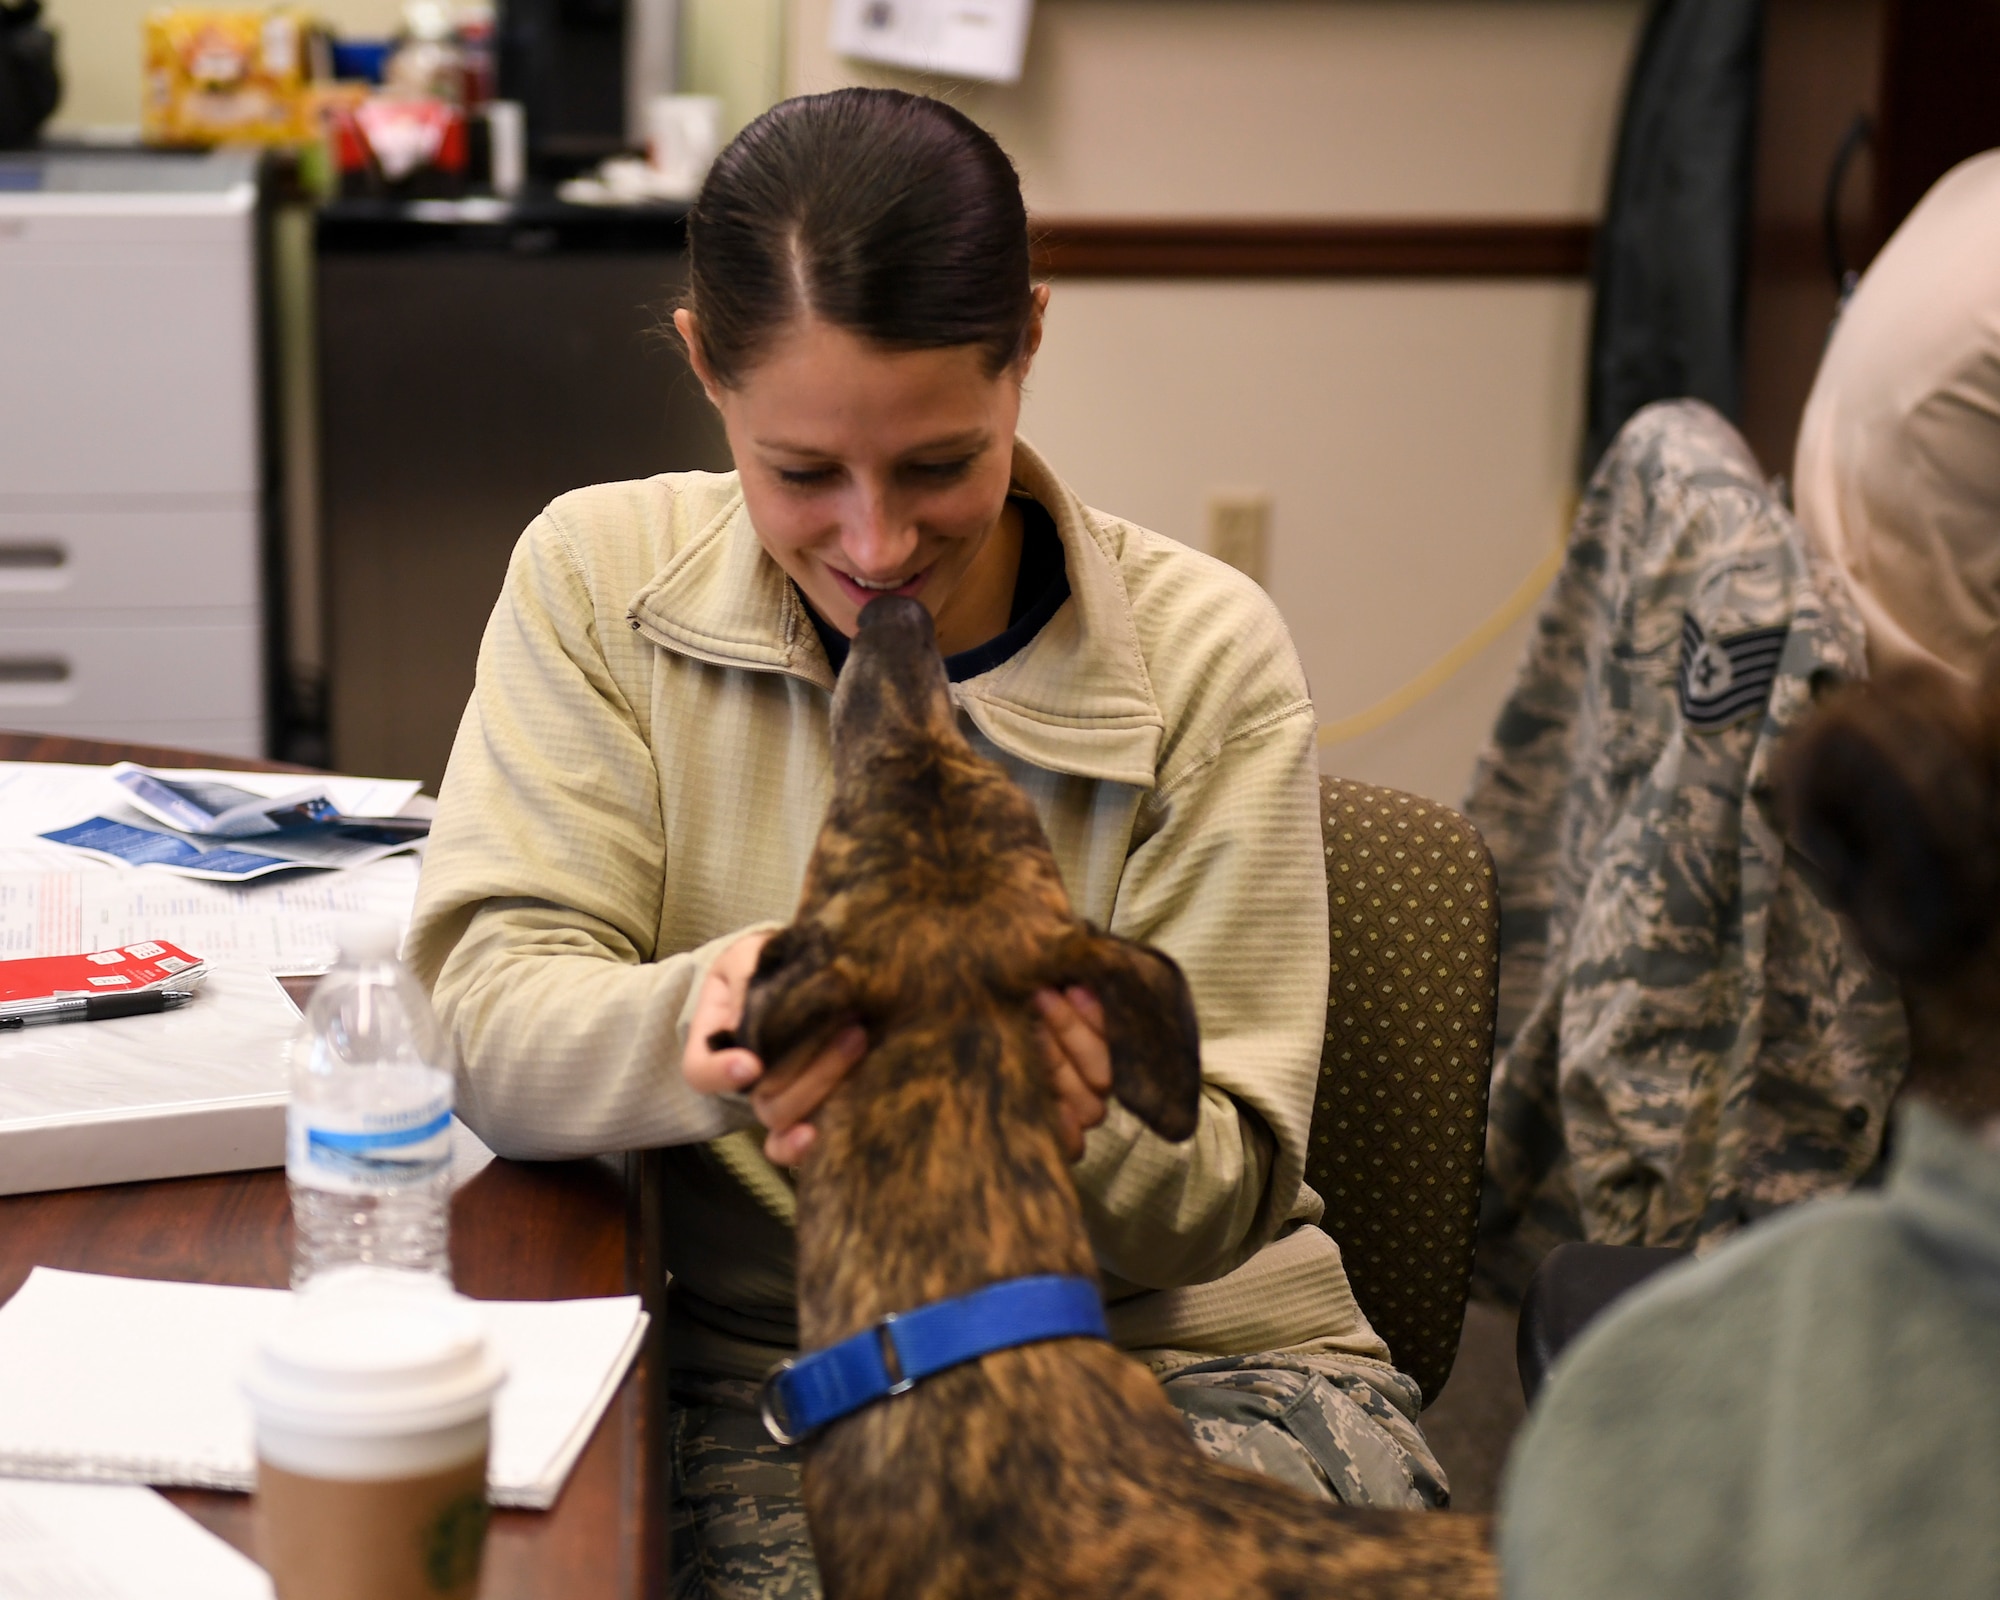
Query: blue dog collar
896	1354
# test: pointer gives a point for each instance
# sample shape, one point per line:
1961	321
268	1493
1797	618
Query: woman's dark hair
884	213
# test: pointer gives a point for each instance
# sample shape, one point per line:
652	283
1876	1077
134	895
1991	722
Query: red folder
150	965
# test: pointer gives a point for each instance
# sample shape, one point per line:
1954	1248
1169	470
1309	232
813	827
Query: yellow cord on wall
1434	677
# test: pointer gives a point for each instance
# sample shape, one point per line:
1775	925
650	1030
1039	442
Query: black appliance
565	61
30	86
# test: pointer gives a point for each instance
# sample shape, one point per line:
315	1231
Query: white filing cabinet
131	597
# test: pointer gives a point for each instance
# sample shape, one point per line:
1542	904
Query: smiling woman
640	777
869	471
864	325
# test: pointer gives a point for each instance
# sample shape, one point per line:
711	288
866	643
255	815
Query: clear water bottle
368	1135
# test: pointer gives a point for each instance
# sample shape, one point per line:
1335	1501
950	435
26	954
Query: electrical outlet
1239	530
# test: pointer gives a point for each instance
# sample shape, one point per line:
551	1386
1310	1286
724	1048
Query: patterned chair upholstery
1399	1132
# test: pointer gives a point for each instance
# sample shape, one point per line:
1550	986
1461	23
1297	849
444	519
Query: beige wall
1417	439
1295	107
735	50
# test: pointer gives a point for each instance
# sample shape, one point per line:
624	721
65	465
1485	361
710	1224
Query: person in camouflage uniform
1332	1429
1689	1039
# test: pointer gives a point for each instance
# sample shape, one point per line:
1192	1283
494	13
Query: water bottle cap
364	938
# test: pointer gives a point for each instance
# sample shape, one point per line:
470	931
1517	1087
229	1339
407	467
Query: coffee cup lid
364	1352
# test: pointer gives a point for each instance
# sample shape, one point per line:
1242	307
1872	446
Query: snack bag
215	76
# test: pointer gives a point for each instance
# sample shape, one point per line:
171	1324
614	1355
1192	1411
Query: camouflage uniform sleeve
1699	1031
1832	1045
1520	800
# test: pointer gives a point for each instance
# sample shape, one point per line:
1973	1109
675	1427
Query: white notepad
129	1380
104	1541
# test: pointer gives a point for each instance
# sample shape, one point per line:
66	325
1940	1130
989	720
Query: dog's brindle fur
932	912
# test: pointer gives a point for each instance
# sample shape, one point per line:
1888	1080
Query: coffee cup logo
452	1544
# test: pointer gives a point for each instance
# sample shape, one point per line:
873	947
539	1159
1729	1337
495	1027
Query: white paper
122	836
36	796
201	1089
55	901
208	806
984	39
228	1042
128	1380
284	927
102	1541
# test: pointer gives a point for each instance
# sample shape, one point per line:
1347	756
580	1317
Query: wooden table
520	1231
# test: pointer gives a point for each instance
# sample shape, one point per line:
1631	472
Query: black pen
91	1007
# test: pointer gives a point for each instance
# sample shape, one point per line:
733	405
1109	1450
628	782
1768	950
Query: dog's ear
799	994
1149	1023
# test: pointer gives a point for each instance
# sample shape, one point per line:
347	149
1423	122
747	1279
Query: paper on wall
984	39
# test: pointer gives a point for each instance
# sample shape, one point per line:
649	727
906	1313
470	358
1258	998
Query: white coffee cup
507	141
683	134
372	1402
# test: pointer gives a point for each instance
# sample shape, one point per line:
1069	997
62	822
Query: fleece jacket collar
1944	1183
1077	699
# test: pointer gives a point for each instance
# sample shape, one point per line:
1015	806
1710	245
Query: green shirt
1810	1412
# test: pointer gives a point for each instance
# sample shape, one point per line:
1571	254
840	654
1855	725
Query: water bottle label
373	1151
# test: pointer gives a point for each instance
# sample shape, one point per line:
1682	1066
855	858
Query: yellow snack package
227	77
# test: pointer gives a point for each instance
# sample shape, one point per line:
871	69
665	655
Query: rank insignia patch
1724	680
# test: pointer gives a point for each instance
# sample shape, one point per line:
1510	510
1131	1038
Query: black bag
30	86
1675	244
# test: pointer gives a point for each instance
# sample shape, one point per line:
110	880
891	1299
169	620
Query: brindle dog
932	912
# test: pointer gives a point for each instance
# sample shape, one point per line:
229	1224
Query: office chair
1398	1140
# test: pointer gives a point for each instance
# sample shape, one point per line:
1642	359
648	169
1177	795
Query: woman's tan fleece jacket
639	780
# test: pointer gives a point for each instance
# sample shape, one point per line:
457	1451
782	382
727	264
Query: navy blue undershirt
1041	585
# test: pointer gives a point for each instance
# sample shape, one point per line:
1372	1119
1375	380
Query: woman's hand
1079	1059
802	1082
1072	1037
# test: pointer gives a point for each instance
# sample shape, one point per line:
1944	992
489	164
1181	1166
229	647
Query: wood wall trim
1078	247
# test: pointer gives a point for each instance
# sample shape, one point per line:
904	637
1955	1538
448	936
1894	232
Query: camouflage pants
1335	1430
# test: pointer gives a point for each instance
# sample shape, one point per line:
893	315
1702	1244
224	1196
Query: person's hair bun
1889	789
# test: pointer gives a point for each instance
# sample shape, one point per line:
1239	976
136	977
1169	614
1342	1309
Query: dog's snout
894	677
898	613
894	632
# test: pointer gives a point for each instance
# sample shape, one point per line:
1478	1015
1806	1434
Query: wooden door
1926	75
